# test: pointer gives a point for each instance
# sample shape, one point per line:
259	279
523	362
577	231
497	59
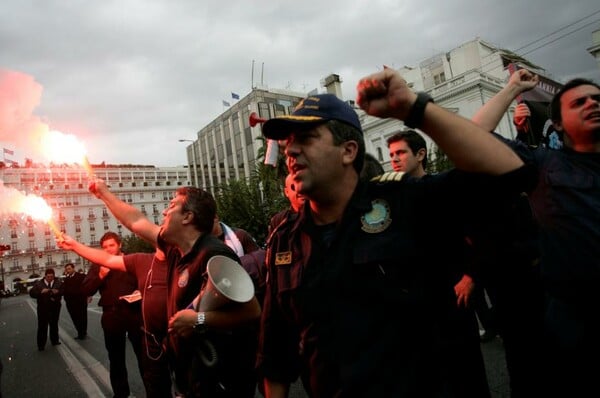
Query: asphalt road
77	368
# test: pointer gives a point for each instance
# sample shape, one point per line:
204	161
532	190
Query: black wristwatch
415	116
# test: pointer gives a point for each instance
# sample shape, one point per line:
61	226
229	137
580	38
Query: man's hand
103	272
97	187
65	242
463	290
385	94
522	113
183	322
522	80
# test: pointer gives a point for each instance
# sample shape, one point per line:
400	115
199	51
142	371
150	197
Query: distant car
9	293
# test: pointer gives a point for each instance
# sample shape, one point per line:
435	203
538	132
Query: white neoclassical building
460	80
75	210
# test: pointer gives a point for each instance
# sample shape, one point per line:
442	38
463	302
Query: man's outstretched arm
128	215
489	115
97	256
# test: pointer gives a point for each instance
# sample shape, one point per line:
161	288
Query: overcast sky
130	78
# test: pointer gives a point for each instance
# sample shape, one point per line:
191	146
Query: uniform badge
283	258
183	278
378	219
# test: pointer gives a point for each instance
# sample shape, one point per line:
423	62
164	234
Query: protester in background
76	300
150	271
185	237
408	153
121	319
353	278
551	138
252	257
296	202
565	203
371	168
48	292
459	336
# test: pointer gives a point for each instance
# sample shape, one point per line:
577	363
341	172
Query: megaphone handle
208	353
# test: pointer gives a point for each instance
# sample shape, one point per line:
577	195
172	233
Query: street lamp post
3	248
193	161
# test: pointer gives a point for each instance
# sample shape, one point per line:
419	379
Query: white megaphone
227	282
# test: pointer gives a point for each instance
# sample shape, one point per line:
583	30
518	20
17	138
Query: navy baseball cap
313	110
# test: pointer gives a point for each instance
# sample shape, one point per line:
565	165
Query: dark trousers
77	308
47	318
571	347
120	322
156	375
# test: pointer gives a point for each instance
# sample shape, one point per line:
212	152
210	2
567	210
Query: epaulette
390	176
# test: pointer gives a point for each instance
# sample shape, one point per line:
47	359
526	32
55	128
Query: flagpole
252	78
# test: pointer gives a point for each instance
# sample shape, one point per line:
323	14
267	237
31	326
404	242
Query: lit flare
65	148
37	208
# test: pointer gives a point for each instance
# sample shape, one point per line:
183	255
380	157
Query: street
79	368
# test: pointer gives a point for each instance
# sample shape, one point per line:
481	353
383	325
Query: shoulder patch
390	176
378	219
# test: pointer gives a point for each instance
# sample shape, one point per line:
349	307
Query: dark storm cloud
132	77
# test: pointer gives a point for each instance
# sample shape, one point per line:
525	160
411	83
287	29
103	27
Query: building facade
228	147
75	211
460	80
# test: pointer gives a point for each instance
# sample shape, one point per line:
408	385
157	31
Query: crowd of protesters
367	284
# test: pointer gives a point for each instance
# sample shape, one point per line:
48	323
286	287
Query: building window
379	154
105	225
439	78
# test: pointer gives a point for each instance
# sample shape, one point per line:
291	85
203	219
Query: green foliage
133	244
437	161
250	204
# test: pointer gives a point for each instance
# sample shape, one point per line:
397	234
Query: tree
250	204
437	161
133	244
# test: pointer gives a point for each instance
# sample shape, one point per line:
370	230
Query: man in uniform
76	300
352	279
48	292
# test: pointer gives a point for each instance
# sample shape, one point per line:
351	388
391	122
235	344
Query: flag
235	96
8	152
225	103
